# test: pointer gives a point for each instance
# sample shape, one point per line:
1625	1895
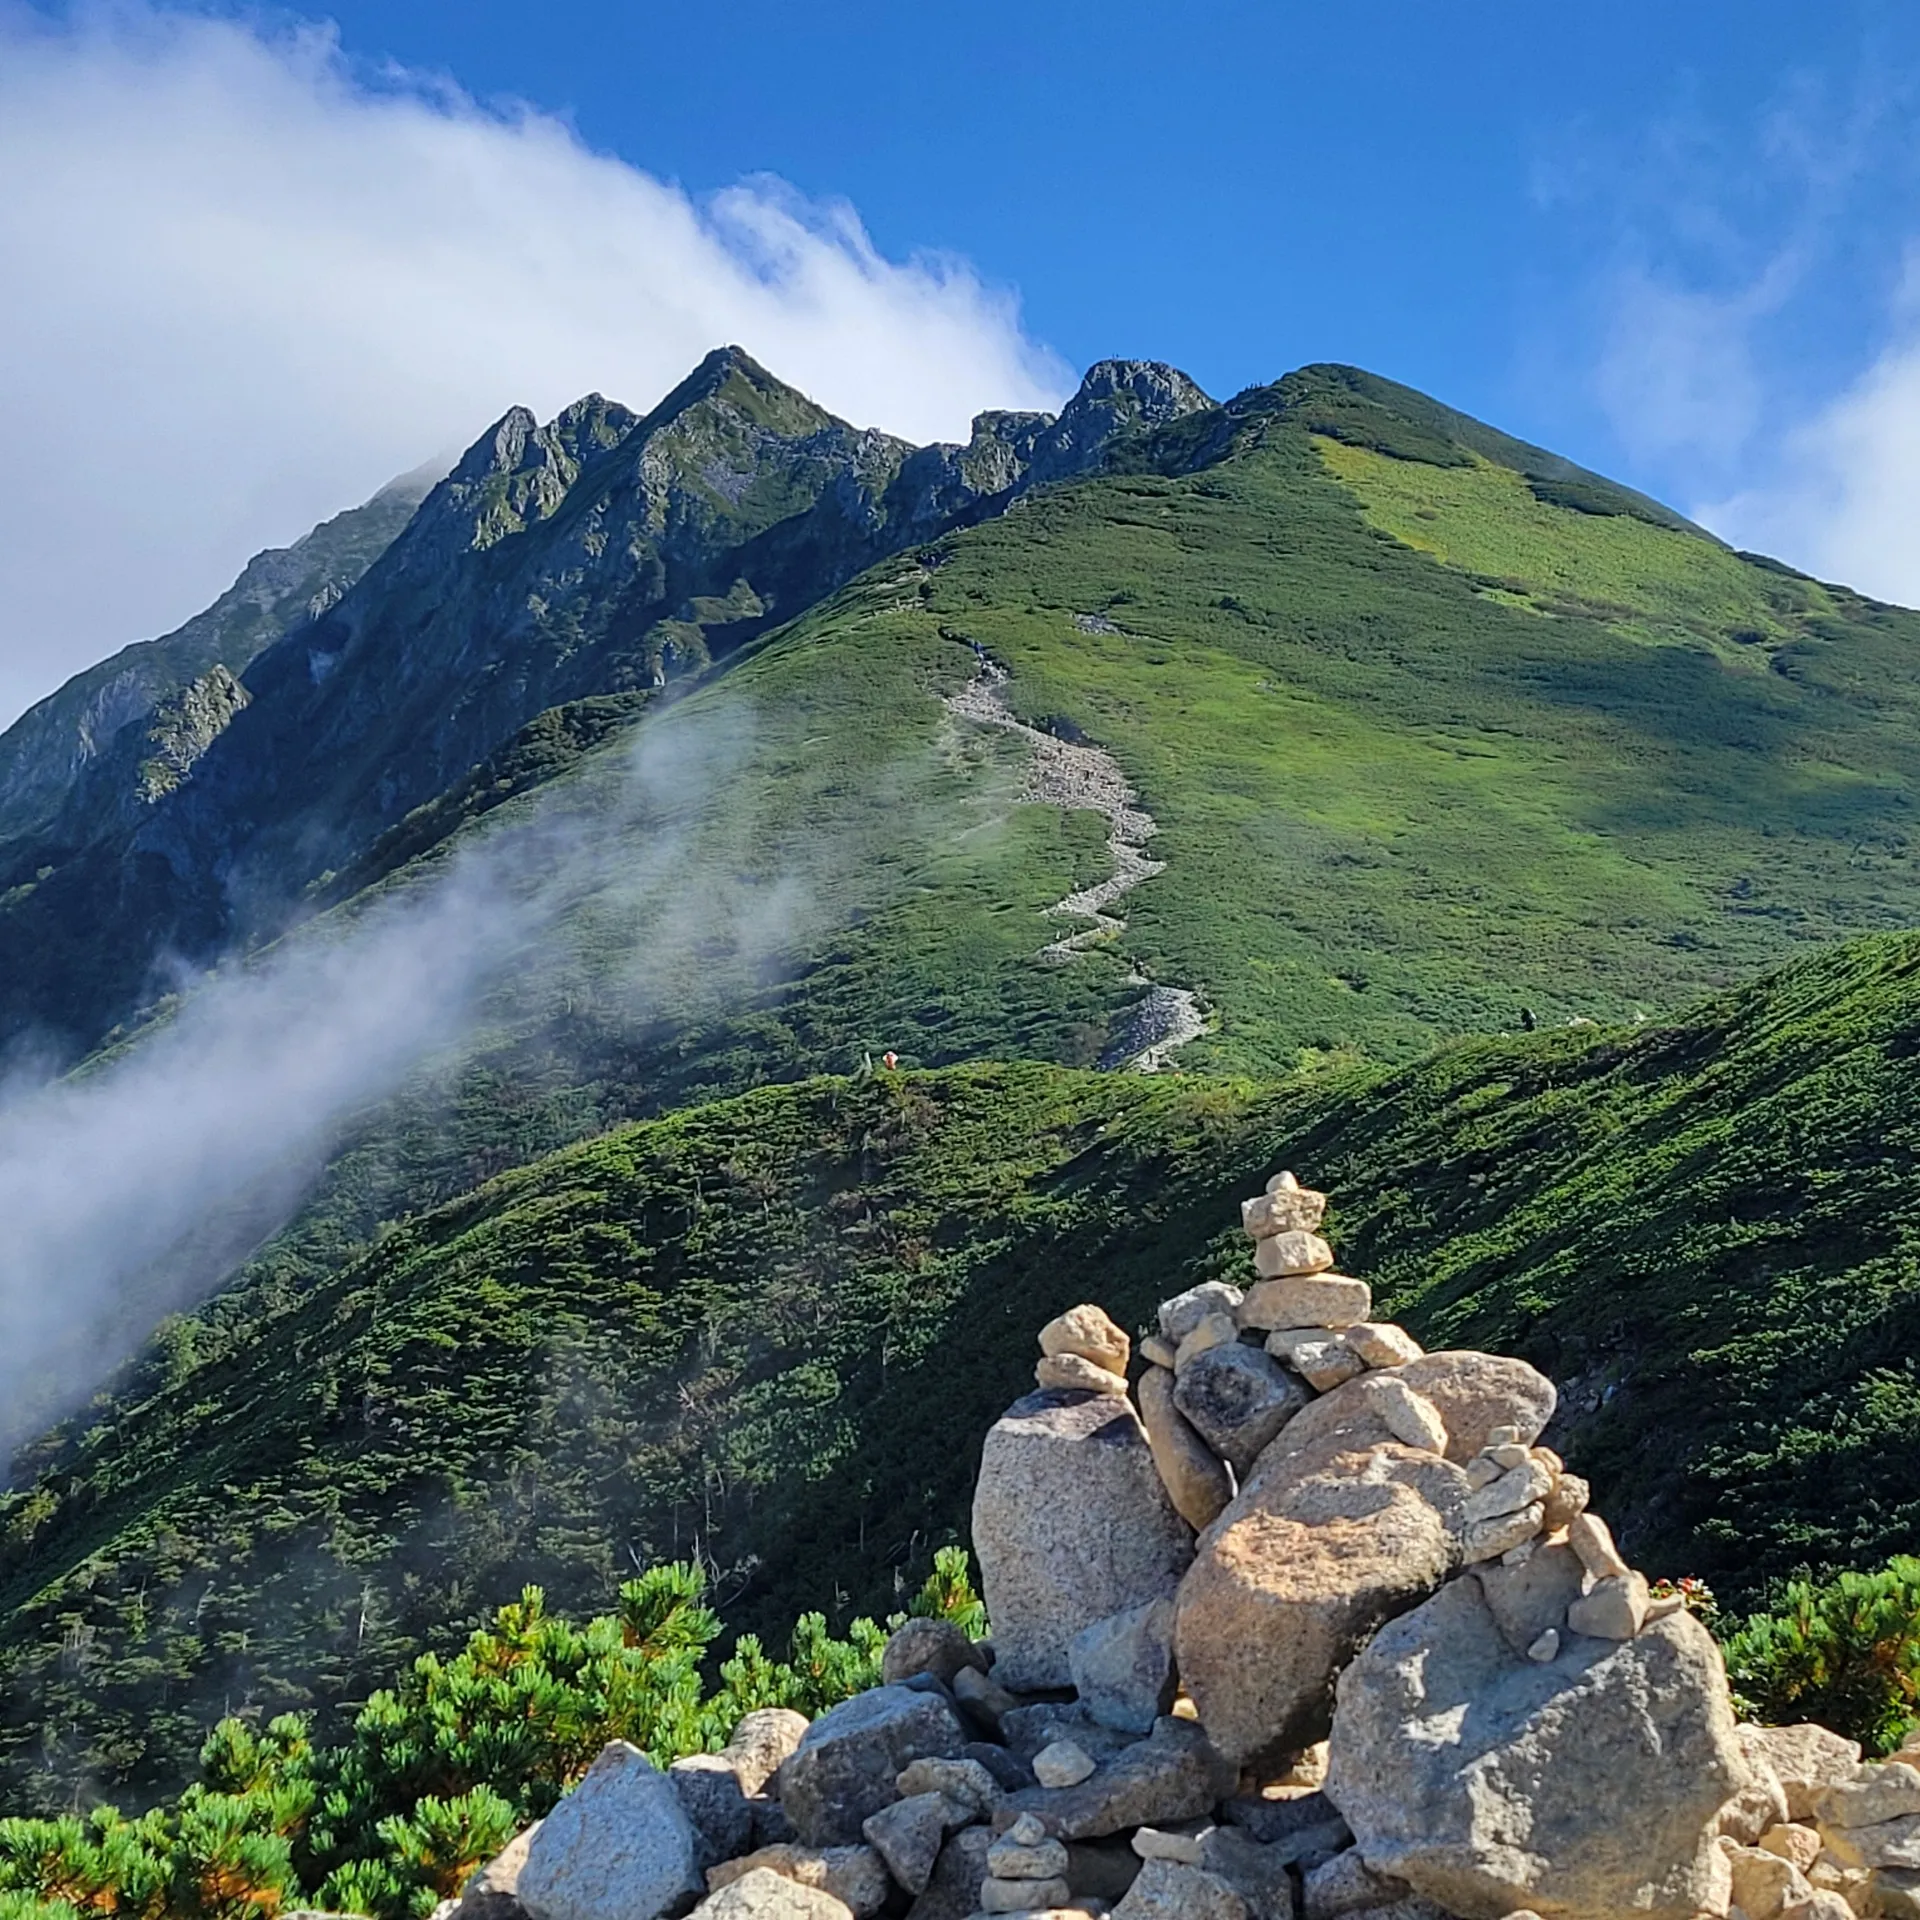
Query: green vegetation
440	1771
1443	738
775	1327
1845	1652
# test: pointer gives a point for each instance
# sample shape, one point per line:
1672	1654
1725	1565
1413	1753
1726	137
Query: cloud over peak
248	283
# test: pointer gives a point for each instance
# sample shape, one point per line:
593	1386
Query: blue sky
1677	242
1446	193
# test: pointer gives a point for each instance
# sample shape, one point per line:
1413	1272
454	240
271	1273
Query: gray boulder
907	1835
1346	1885
1122	1667
760	1741
1071	1523
1237	1398
1165	1890
1581	1788
493	1892
1322	1545
618	1847
1180	1315
709	1789
937	1647
845	1768
953	1890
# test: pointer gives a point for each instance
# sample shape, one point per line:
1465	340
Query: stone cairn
1316	1628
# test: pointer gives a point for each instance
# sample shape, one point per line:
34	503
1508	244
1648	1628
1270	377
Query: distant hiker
1529	1019
890	1061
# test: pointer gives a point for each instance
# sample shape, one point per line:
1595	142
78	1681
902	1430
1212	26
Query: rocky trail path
1086	778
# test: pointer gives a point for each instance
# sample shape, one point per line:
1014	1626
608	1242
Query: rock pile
1308	1622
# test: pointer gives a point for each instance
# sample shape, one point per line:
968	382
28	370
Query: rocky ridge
1306	1622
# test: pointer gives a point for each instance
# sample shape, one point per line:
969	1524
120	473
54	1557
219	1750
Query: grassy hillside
1436	731
772	1331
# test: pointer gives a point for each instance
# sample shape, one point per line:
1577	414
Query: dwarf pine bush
442	1769
1844	1652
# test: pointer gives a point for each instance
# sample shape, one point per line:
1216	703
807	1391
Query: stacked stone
1320	1632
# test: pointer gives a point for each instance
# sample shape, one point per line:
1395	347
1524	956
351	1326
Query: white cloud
246	285
1842	500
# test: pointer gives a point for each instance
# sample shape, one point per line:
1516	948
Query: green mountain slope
772	1331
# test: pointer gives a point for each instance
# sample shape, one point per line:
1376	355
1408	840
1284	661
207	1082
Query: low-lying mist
132	1188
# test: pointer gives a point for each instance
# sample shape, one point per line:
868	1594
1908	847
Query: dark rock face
603	553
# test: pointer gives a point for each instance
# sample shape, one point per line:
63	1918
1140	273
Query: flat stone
1237	1399
844	1770
1196	1481
1063	1764
1180	1843
1328	1300
909	1834
1476	1392
1212	1330
1619	1752
1805	1759
760	1741
1411	1417
1313	1555
965	1782
1028	1730
1157	1352
1324	1364
1590	1537
855	1876
1490	1539
1546	1647
1285	1205
932	1646
1526	1485
1041	1859
1180	1315
1879	1792
1177	1774
1071	1523
954	1890
1087	1331
1887	1843
709	1790
1023	1896
983	1697
618	1847
1529	1600
1072	1373
1379	1343
1280	1255
763	1895
1123	1667
1616	1609
1165	1890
